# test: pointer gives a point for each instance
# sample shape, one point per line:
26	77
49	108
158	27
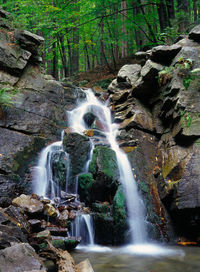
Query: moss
85	182
104	159
29	154
143	187
119	214
100	207
103	83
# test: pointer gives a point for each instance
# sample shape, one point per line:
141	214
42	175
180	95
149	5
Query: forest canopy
81	34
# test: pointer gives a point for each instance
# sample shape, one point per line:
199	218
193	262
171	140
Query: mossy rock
85	182
120	216
105	172
65	244
101	208
59	166
104	226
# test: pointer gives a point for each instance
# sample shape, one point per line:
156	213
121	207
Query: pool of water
149	258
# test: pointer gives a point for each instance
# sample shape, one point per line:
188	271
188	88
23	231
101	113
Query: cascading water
135	206
83	226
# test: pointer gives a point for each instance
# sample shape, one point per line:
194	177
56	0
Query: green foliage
8	96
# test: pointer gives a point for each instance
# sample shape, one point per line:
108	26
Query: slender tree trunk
69	55
55	62
101	42
170	9
162	14
75	51
63	56
148	24
124	46
195	10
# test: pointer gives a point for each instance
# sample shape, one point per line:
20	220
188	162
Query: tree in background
81	34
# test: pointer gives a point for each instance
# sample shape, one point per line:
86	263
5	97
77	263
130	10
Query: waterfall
135	205
83	226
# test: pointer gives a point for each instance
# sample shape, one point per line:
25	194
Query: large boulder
20	257
78	148
105	173
195	33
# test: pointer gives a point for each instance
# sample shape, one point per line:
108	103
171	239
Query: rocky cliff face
38	113
157	104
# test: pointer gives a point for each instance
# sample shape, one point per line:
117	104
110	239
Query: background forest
81	34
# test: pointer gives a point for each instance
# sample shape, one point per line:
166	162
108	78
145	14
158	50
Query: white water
135	206
42	174
83	226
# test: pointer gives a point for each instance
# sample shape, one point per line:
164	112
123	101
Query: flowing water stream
135	206
45	185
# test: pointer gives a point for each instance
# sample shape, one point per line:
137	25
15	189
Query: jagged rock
20	257
150	70
142	57
10	230
195	33
13	59
72	214
28	204
129	74
105	172
164	54
120	96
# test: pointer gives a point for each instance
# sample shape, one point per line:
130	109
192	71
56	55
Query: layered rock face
38	113
157	105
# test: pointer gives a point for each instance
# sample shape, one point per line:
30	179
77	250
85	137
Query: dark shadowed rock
195	33
164	54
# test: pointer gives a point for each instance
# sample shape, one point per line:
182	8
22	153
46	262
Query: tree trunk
63	56
124	46
195	10
55	62
162	15
170	9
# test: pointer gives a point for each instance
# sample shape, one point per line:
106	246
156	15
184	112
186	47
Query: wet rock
164	54
43	235
62	218
20	257
89	119
78	147
50	210
57	231
35	225
105	172
66	243
119	216
72	215
85	182
28	204
101	207
195	33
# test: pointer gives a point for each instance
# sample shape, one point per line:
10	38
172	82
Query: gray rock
150	70
188	52
18	258
164	53
195	33
129	74
13	59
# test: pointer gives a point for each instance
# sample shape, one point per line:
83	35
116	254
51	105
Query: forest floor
101	75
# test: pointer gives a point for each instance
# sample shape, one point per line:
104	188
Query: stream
168	259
